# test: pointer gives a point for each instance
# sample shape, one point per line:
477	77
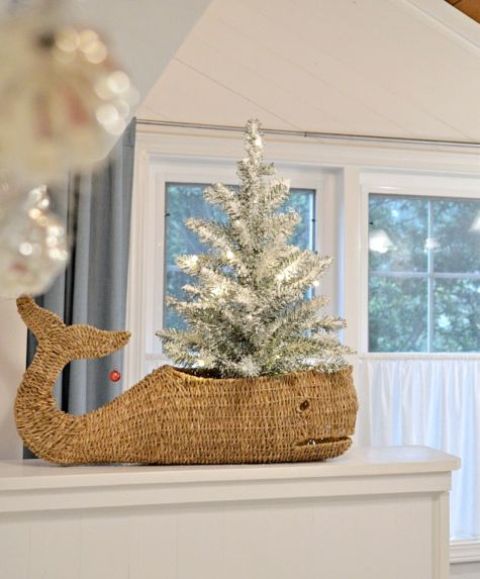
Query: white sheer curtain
433	402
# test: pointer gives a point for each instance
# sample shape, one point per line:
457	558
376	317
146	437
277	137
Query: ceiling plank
388	68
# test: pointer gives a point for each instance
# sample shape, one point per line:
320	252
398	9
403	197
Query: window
412	394
424	274
422	367
185	200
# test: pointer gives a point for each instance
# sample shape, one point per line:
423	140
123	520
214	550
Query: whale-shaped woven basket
176	417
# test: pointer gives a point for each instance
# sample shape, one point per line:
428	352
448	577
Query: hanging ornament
63	100
33	245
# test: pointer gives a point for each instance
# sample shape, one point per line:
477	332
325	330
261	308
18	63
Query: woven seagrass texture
173	417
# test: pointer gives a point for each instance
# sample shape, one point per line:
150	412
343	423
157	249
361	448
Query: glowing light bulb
218	290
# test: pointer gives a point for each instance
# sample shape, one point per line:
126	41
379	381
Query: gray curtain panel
93	289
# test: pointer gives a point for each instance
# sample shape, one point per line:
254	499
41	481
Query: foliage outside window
424	274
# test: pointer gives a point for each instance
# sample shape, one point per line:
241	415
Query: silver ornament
63	99
33	245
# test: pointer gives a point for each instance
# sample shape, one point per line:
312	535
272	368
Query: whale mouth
312	442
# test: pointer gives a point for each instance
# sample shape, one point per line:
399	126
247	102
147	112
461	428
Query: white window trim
352	170
389	183
464	551
152	171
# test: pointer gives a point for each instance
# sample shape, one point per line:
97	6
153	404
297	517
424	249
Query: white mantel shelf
370	513
36	485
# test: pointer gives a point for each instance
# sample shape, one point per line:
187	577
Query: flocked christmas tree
248	313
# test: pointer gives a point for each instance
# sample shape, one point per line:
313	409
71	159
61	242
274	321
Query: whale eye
305	405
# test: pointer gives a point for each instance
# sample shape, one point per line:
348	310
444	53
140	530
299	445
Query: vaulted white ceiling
404	68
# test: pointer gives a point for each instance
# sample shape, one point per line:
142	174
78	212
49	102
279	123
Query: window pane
432	244
175	280
303	201
457	315
397	314
397	233
184	200
456	235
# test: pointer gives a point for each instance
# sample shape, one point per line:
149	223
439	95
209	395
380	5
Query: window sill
464	551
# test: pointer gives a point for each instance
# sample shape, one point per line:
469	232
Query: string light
218	290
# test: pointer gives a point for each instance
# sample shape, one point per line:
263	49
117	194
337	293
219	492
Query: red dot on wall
115	376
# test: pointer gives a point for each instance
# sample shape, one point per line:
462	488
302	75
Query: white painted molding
174	142
464	551
33	485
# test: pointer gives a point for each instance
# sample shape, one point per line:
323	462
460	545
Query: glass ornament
33	245
115	376
63	99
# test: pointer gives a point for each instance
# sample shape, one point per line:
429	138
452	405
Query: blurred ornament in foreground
33	245
63	100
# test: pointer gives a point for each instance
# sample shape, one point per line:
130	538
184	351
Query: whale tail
77	341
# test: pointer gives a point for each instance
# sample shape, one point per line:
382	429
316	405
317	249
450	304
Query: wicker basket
175	417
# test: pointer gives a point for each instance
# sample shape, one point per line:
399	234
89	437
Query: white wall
13	336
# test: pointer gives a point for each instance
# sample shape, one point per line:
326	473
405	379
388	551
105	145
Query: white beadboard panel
407	524
256	554
189	89
276	84
54	541
320	67
391	46
370	514
199	543
104	545
374	538
14	547
371	67
153	543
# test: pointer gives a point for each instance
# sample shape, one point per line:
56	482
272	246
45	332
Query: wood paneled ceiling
469	7
399	68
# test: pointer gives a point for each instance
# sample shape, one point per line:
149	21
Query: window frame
145	292
420	186
313	230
